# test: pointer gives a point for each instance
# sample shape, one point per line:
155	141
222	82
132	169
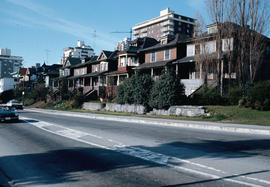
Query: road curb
224	127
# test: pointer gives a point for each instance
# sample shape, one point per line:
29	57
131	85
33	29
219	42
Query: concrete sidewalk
239	128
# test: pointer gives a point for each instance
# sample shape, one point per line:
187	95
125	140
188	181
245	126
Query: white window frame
169	56
153	54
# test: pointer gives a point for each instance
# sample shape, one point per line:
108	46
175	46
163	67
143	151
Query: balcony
167	23
167	29
144	30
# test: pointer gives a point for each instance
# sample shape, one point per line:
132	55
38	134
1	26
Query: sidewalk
239	128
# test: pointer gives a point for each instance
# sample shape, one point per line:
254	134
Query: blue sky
30	27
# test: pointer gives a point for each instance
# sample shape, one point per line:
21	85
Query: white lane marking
141	153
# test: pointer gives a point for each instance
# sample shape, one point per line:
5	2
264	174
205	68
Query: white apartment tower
9	64
168	23
80	51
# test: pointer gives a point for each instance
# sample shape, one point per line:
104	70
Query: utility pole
47	55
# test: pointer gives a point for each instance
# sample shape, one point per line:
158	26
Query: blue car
8	114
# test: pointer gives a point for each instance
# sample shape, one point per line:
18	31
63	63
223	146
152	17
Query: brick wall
160	55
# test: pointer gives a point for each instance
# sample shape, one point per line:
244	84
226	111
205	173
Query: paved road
53	150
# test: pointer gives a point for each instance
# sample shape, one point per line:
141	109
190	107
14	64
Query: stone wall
190	111
138	109
93	106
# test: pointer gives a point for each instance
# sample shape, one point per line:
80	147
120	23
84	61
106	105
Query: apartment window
153	59
167	54
96	68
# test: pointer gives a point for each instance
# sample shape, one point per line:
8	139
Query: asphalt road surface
53	150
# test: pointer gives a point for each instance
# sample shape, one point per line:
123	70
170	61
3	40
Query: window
227	44
268	50
83	71
122	61
96	68
153	59
167	54
77	72
133	60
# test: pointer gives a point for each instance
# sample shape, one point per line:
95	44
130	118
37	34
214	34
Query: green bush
258	96
78	100
29	101
129	87
167	91
143	86
208	96
120	94
234	95
135	90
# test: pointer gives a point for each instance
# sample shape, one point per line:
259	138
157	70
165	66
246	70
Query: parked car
8	114
14	104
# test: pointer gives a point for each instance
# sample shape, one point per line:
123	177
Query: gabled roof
108	55
90	60
104	55
139	44
179	38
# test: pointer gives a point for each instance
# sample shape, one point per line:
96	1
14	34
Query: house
65	71
199	65
128	58
161	55
105	63
80	79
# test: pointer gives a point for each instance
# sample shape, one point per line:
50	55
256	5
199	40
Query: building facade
81	51
167	24
9	64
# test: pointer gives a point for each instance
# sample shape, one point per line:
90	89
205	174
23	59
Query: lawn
224	114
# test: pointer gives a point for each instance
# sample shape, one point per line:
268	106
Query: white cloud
47	18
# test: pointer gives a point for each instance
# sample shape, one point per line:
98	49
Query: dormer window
212	30
164	41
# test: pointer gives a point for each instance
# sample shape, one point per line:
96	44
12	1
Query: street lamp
23	98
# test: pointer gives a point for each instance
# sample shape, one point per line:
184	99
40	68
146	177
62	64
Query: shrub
234	95
208	96
129	86
29	101
135	90
120	94
78	101
143	86
167	91
258	96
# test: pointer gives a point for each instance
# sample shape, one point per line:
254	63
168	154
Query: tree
167	91
143	85
246	21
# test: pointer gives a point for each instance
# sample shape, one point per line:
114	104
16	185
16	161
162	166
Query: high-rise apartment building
168	23
9	64
80	51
